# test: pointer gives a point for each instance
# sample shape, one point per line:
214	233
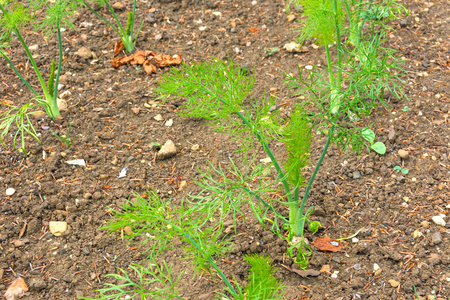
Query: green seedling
125	34
16	15
270	52
159	276
369	136
65	139
262	285
400	169
156	145
406	108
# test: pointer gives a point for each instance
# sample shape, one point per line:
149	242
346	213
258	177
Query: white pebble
376	267
438	220
10	191
169	123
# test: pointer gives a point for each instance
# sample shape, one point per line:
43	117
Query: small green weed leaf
314	226
368	135
397	168
406	108
271	51
379	148
405	171
157	145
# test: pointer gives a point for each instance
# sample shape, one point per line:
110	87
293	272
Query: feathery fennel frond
320	23
297	138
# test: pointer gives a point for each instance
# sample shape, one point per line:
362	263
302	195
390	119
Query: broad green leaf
405	171
379	148
368	135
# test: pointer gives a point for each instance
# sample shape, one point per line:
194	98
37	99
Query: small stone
62	104
65	94
87	196
195	147
38	284
57	228
158	118
86	251
10	191
19	243
182	185
424	64
118	6
167	150
394	283
291	18
438	220
378	272
169	123
424	224
63	154
233	30
84	53
436	238
403	23
376	267
416	234
33	47
355	240
403	154
356	175
401	179
97	195
127	229
391	134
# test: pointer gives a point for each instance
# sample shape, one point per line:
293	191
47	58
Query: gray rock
357	175
436	238
401	179
403	23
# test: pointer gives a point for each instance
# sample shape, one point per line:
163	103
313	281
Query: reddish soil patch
113	112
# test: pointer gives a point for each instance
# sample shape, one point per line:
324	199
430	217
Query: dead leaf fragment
148	59
302	273
327	244
16	290
118	47
325	269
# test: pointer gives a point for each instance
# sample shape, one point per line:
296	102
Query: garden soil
393	243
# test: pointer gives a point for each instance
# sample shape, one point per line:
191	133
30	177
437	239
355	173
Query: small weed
66	139
400	169
271	51
406	108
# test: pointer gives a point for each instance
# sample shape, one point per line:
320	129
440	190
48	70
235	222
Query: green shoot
15	16
369	136
406	108
20	117
158	276
65	139
262	285
270	52
125	34
162	224
400	169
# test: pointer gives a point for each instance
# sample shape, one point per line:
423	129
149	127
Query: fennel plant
16	15
125	34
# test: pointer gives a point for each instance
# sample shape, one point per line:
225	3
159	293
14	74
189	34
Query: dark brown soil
113	112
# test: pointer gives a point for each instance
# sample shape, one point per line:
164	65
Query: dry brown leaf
167	60
303	273
327	244
16	290
325	269
254	30
148	59
120	61
118	47
149	68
